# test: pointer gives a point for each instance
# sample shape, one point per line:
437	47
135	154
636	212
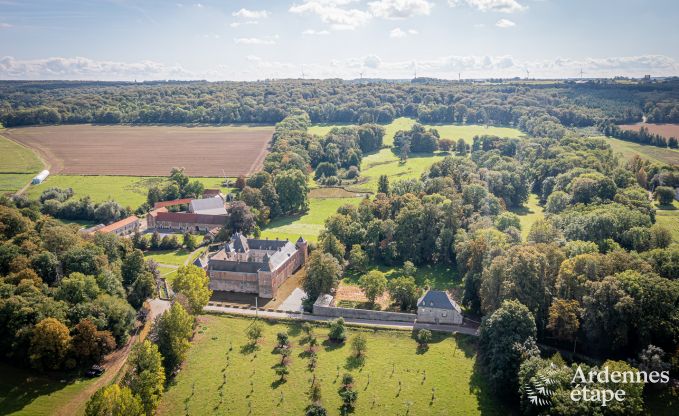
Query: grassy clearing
467	132
171	257
26	393
436	276
309	224
528	214
222	376
653	153
668	217
126	190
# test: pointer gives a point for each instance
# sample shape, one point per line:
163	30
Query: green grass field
309	224
222	376
23	392
126	190
668	217
18	165
653	153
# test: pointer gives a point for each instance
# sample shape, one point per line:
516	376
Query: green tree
328	243
358	260
373	284
133	266
189	242
322	274
348	394
142	288
359	345
509	325
461	147
292	189
404	292
254	332
664	195
172	333
192	282
383	185
49	344
424	337
146	376
113	400
337	332
564	319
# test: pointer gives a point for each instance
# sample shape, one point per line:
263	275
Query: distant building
91	230
255	266
437	307
172	203
123	227
40	177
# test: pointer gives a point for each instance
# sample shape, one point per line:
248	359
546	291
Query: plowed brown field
665	130
147	150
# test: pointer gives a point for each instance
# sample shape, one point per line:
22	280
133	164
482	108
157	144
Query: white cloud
79	68
500	6
267	40
247	22
400	33
333	12
254	67
505	23
5	25
400	9
251	14
312	32
199	5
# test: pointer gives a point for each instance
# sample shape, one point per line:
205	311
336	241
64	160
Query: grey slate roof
439	300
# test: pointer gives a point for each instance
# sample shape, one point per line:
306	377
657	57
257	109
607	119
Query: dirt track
147	150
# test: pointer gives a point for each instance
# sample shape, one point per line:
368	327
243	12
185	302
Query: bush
664	195
337	331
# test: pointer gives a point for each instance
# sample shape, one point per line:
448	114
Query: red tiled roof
172	203
191	218
118	224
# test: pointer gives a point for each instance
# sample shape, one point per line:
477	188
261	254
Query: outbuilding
40	177
437	307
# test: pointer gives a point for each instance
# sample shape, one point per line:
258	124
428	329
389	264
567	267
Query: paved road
363	322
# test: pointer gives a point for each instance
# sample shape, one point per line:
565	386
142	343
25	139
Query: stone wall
324	307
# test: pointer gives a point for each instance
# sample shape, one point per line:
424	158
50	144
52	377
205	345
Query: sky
259	39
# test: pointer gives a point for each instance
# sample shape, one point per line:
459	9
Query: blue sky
249	40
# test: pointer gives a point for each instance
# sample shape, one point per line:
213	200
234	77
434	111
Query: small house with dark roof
437	307
257	266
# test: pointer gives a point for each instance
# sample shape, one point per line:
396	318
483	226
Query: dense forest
540	109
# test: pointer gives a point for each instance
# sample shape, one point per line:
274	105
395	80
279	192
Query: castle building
249	265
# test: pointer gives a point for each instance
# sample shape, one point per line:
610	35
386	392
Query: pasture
309	224
147	150
126	190
668	217
652	153
18	165
23	392
222	375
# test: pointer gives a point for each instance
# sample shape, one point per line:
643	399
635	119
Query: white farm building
40	177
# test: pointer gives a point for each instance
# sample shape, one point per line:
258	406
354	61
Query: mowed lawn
221	375
309	224
18	165
23	392
126	190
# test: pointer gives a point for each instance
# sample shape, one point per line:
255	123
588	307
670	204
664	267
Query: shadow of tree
249	348
329	345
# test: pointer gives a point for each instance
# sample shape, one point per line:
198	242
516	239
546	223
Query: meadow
668	217
18	165
126	190
23	392
653	153
528	214
222	375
